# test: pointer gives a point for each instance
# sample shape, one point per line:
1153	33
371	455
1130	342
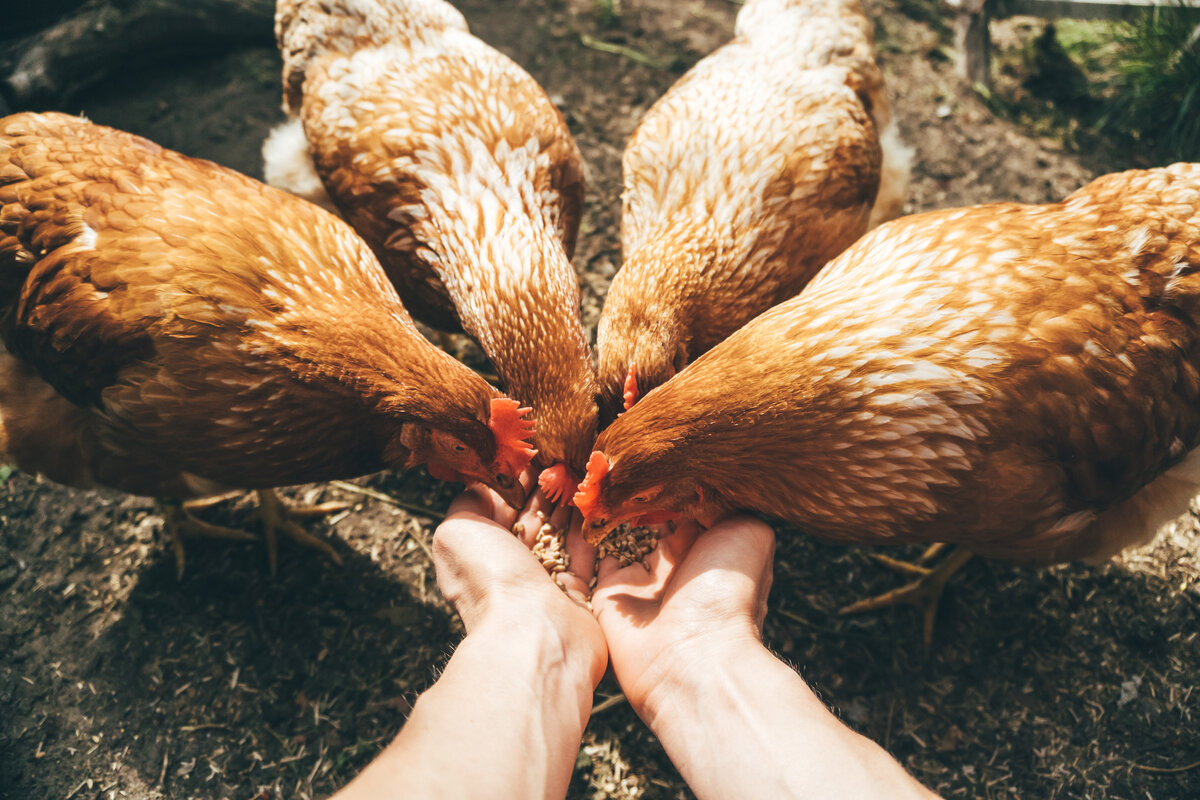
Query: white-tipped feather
288	165
894	175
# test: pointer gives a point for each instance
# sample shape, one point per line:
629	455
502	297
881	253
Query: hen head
633	361
493	452
611	495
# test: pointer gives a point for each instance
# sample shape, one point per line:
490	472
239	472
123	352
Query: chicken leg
275	519
273	513
924	592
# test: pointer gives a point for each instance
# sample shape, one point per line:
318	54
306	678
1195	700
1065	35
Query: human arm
685	642
508	712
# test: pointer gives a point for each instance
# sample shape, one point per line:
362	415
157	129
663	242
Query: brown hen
759	165
172	327
460	173
1021	380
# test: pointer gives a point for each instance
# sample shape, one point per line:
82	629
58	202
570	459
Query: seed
628	544
550	550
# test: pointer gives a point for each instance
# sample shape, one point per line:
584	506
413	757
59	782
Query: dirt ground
119	681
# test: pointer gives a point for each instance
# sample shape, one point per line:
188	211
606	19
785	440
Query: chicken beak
510	490
597	530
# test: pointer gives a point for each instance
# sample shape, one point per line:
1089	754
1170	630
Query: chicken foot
273	513
275	519
179	522
924	593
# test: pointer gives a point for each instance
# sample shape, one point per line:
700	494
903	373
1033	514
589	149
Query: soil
119	681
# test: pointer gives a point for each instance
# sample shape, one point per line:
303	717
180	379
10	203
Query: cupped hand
490	576
698	594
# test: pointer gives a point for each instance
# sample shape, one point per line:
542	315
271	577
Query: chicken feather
171	327
757	167
1022	380
460	173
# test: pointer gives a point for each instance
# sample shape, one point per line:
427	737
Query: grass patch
1153	95
1133	86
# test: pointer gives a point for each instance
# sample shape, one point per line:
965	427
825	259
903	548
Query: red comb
557	483
589	491
631	388
511	429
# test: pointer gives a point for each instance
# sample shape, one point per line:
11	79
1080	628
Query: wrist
679	674
739	723
544	646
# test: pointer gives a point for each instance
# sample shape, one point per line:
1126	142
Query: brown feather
193	322
460	173
758	166
998	376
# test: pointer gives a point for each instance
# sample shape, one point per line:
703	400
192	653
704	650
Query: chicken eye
459	448
641	498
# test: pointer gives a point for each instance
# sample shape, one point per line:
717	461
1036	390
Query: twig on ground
1184	768
609	702
204	726
162	773
75	791
623	50
387	498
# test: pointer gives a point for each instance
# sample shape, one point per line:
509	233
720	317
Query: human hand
539	510
510	707
491	578
685	642
699	595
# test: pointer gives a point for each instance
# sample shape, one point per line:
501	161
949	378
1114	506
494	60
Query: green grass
1154	93
1140	87
606	12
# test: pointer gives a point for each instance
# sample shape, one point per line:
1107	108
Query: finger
477	499
607	567
475	550
482	501
561	516
675	546
465	538
529	519
740	542
502	512
746	545
574	586
528	477
767	578
581	554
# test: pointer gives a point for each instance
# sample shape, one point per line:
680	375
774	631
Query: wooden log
47	68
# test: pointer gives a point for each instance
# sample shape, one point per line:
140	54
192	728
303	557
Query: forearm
744	724
508	711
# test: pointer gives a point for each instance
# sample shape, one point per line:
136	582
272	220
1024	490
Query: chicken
460	173
171	328
1021	380
758	166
